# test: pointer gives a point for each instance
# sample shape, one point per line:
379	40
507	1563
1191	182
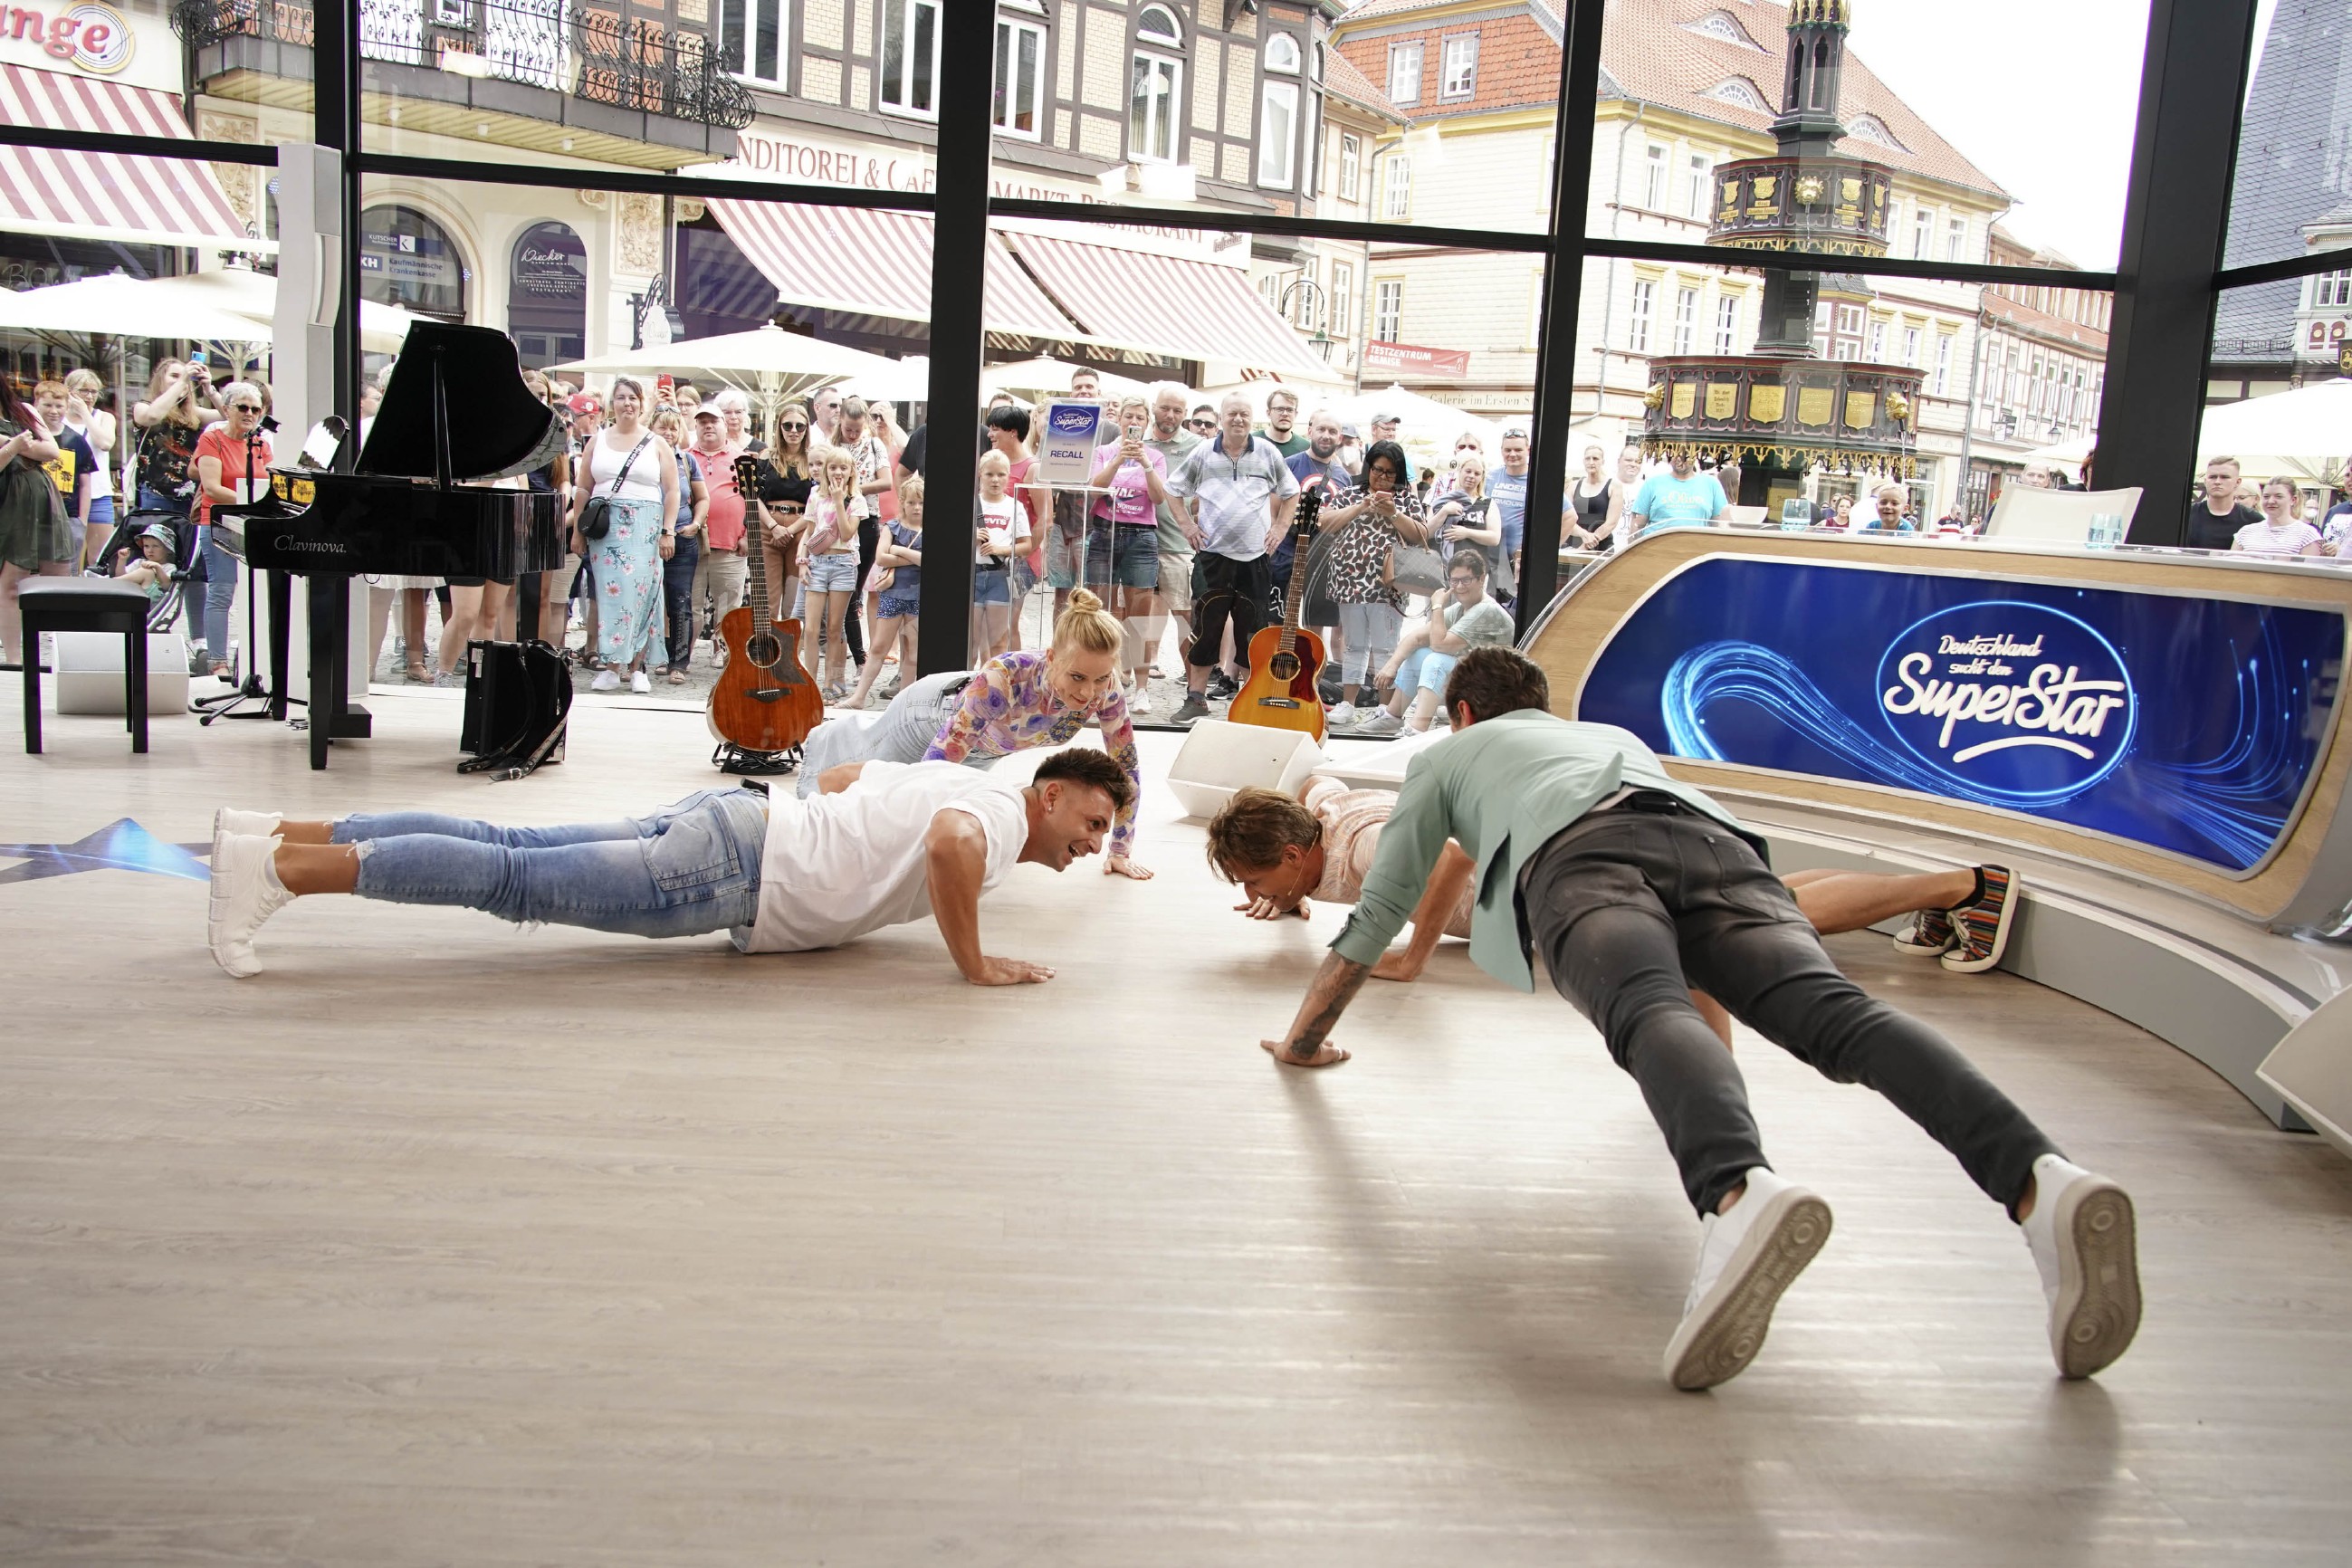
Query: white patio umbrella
228	305
1426	428
2306	433
1033	379
767	363
907	380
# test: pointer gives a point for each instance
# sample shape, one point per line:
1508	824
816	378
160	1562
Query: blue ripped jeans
686	870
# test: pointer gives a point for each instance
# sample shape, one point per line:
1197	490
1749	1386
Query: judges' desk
2154	739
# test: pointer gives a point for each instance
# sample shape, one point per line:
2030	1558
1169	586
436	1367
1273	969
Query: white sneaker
640	683
1141	701
1745	1258
2082	1237
245	891
1382	722
607	679
253	824
1345	714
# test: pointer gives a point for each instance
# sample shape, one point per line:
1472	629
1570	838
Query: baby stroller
176	598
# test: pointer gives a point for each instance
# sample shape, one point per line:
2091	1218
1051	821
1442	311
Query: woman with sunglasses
231	464
786	482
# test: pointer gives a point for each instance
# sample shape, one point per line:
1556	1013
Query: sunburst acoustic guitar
1286	660
763	700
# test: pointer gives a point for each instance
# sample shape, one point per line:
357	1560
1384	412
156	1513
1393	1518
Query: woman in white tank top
635	472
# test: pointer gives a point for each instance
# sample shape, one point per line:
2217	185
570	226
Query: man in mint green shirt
1634	888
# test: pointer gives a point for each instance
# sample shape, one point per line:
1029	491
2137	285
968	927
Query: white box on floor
89	678
1218	758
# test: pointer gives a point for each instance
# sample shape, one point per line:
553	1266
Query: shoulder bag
596	517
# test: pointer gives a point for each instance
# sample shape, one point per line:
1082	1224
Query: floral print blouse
1009	707
1359	552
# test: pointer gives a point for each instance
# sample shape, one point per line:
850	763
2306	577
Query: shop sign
87	36
551	265
1410	359
2067	704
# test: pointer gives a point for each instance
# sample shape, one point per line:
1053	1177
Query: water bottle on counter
2106	530
1796	515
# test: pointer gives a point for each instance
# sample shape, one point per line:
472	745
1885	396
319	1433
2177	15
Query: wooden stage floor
443	1242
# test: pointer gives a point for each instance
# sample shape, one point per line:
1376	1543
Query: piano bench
86	604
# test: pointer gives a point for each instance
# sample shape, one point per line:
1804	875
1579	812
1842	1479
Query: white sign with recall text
1065	453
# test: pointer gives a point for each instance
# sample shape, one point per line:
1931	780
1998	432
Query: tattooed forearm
1336	985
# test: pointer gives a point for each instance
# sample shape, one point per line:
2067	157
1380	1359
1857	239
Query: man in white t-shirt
885	843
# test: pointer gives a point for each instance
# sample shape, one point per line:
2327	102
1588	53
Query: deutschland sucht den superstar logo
2015	701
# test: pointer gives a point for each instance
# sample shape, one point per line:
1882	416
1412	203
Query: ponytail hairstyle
1086	627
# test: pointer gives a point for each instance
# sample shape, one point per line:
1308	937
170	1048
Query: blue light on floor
121	845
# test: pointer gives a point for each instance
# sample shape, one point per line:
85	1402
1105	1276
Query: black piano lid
465	383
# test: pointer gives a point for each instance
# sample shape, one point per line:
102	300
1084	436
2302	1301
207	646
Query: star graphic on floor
121	845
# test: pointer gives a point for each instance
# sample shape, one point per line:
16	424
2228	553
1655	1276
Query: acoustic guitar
1285	660
763	700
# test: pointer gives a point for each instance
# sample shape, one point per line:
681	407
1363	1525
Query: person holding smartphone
33	538
1123	548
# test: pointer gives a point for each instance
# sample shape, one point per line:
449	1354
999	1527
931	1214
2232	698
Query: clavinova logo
89	34
2014	703
1075	418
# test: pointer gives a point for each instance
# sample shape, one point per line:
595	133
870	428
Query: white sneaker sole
1956	964
227	820
236	958
2098	1310
1722	1333
1905	945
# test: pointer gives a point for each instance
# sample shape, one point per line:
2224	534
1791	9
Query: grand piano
418	502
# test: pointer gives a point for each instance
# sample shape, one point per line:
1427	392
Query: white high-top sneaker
1745	1258
245	891
2084	1239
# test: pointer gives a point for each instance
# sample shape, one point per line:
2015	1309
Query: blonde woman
1014	702
787	479
95	426
635	472
829	573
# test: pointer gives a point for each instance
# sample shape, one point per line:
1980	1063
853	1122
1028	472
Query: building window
1686	319
1923	232
1352	165
1020	78
1388	310
1277	129
1282	54
1459	77
1645	295
1404	73
1153	109
1955	239
1911	347
1654	183
1343	297
408	259
1158	24
2332	288
751	40
1697	178
1398	204
1267	291
910	56
1943	364
1726	324
1877	343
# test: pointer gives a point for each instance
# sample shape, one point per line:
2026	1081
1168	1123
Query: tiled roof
1649	50
1340	76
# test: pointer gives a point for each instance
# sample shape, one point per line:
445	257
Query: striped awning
871	262
1165	305
106	196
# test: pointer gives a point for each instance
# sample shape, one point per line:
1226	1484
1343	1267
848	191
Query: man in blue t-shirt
1508	486
1318	459
1683	499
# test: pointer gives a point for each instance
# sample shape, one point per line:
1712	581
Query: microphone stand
252	689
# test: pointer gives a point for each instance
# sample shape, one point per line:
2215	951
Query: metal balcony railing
559	45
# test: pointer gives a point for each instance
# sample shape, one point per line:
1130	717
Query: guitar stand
729	758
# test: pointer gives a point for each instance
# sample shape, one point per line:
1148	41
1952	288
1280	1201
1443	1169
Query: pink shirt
1130	504
1352	820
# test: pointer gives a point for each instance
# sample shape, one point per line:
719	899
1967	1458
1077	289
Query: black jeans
677	592
1631	908
1223	587
853	628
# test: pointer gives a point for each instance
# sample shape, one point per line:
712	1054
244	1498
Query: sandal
677	677
419	676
